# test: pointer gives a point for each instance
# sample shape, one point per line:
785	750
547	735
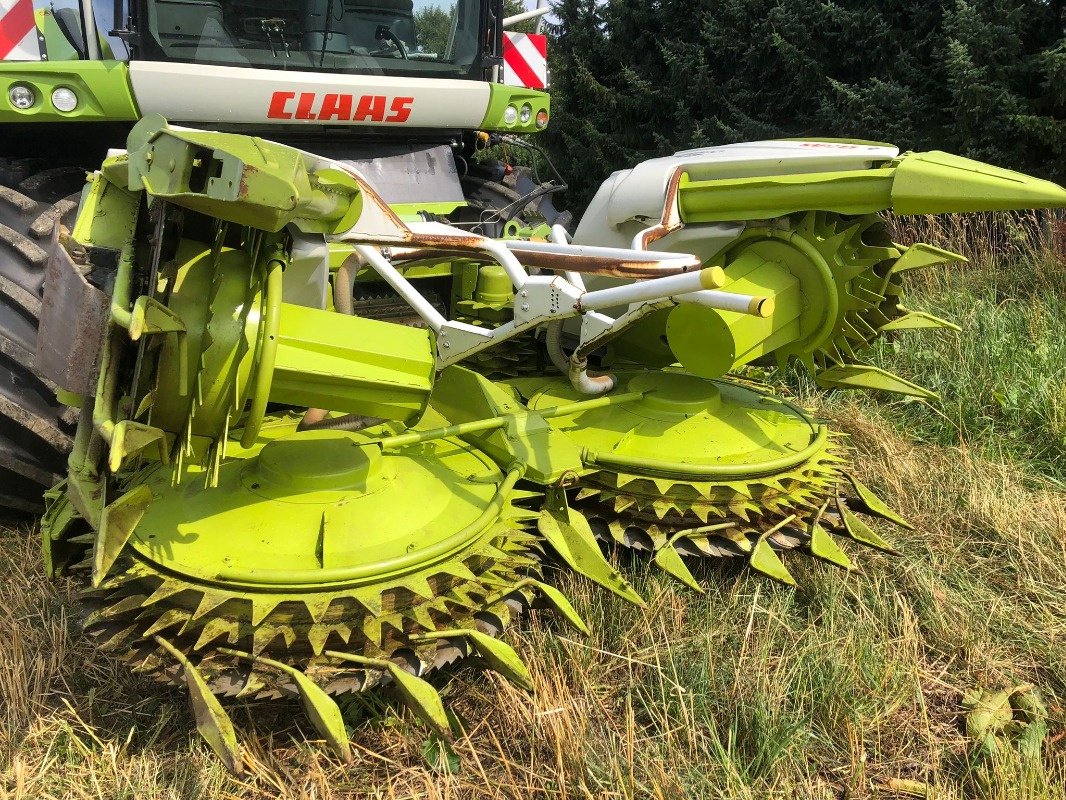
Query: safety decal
525	60
18	32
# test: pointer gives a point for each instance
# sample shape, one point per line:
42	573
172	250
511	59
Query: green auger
837	285
270	499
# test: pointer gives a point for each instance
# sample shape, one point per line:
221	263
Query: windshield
393	37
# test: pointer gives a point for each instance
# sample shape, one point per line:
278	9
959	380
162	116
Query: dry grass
839	689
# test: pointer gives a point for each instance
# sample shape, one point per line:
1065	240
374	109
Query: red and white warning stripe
525	60
18	32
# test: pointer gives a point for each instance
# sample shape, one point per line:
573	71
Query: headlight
21	96
526	115
542	119
64	99
510	115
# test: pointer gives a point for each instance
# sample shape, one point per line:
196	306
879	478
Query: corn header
273	495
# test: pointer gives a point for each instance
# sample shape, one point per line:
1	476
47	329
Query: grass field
849	686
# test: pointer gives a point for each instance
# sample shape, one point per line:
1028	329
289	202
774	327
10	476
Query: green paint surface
102	87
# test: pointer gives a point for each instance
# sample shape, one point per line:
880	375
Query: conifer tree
631	80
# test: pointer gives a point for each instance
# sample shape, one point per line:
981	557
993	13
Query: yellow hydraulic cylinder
709	342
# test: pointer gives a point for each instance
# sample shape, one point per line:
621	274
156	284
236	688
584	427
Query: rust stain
444	241
598	265
553	262
671	220
247	173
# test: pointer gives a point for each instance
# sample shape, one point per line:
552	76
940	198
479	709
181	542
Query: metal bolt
525	306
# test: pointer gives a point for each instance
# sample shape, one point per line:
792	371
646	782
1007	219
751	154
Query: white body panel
207	93
632	199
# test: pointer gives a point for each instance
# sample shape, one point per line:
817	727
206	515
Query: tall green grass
1002	380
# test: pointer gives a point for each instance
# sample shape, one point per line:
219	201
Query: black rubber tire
35	429
485	194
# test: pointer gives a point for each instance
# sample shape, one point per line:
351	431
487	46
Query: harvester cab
334	396
329	72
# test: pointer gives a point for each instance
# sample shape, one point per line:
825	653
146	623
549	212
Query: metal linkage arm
380	236
270	186
548	299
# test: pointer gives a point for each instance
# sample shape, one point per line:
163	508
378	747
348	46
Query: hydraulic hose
344	285
554	343
318	419
575	366
589	384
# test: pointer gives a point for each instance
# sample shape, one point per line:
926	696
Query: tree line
633	80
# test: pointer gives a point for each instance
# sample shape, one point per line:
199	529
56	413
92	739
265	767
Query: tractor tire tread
25	300
35	429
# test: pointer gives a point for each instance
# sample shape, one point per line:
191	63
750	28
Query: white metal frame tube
433	318
560	235
728	301
654	289
92	37
506	259
536	13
